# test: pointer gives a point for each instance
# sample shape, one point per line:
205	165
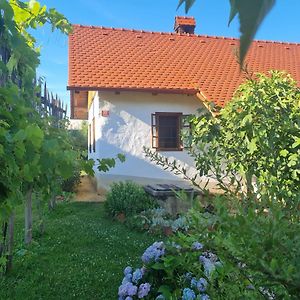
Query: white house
135	88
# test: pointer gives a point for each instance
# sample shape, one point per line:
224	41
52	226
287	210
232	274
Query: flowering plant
171	271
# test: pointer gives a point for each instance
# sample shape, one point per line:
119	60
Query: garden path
86	191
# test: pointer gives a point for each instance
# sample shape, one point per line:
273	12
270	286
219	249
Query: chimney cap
184	24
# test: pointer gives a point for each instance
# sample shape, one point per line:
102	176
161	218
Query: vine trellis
49	105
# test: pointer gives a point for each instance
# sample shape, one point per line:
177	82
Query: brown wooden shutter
90	138
94	135
154	131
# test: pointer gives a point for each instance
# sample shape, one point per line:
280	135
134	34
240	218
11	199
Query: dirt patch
87	192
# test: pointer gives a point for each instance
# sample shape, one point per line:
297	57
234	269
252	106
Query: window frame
155	130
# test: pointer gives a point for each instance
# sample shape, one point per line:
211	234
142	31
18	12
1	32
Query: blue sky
282	24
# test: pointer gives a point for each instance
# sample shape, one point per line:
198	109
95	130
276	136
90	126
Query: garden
81	255
241	244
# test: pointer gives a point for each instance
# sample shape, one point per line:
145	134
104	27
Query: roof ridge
183	34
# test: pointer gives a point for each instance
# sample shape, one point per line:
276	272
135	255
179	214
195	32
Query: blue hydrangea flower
205	297
188	294
127	289
208	265
127	278
154	252
194	282
137	275
128	298
144	290
201	285
132	290
197	246
127	270
123	289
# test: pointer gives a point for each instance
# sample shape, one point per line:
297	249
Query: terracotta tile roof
121	59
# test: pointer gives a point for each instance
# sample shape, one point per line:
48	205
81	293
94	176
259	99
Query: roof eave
133	89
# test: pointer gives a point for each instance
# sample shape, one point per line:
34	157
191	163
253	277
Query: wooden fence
51	105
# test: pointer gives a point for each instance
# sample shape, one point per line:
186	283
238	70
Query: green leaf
166	291
233	11
51	146
293	160
284	153
121	157
34	6
20	136
296	143
66	171
20	150
35	135
252	146
27	173
1	150
251	14
158	266
274	264
12	63
188	4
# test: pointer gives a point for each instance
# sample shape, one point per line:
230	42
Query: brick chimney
185	25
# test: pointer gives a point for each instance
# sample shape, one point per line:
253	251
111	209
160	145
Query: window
166	131
90	138
94	135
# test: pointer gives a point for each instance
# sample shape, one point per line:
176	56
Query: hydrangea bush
171	271
184	268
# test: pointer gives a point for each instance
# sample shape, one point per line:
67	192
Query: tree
22	131
252	149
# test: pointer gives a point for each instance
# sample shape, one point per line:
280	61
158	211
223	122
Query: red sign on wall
104	113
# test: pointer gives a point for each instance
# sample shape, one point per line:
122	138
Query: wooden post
52	105
3	238
48	104
192	195
45	91
40	213
28	217
10	244
52	202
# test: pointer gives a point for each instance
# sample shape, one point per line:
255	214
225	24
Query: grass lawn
81	256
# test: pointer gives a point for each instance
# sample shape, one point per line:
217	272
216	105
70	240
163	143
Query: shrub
156	220
252	148
184	268
171	271
70	184
128	198
255	243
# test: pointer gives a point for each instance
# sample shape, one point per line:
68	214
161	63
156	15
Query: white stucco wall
128	128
